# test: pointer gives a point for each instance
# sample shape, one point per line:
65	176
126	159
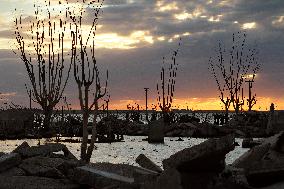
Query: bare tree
229	68
225	93
86	72
44	56
251	101
250	78
167	86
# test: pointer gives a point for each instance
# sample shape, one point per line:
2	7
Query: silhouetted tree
167	86
229	68
134	112
106	108
251	100
86	71
43	56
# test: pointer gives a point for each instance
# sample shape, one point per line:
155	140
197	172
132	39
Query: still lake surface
126	152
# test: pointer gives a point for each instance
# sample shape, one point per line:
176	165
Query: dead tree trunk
251	101
86	73
230	70
167	88
42	52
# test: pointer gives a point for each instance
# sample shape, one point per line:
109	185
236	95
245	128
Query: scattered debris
199	167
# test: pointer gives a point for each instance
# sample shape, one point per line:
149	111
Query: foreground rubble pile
199	167
263	165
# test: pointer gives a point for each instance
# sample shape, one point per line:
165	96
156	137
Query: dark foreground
200	167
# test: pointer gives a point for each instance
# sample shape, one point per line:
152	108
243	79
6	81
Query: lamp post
251	101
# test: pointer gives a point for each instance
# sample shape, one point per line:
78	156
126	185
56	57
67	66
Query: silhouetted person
272	107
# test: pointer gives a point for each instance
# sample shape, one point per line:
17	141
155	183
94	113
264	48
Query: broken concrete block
30	182
141	175
265	172
156	131
41	150
43	166
9	160
254	154
209	155
145	162
96	178
15	171
169	179
21	147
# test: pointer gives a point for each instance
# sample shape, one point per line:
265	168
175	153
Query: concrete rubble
200	167
264	164
145	162
156	131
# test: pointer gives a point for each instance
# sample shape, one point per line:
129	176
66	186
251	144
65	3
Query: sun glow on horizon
195	103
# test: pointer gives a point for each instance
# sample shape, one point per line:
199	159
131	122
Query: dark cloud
132	70
6	34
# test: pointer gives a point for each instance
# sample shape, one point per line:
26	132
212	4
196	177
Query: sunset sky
134	35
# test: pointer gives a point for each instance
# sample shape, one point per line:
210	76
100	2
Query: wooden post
107	107
146	95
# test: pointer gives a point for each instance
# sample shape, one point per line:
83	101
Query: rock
15	171
156	131
44	150
201	164
169	179
265	172
249	143
9	160
225	184
278	185
43	166
207	154
91	176
207	131
30	182
254	154
21	147
277	142
198	180
145	162
264	164
41	150
68	154
120	169
258	152
240	133
141	175
234	175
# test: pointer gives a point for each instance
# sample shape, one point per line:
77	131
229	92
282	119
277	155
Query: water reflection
126	152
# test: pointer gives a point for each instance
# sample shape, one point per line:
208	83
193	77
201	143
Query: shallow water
126	152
